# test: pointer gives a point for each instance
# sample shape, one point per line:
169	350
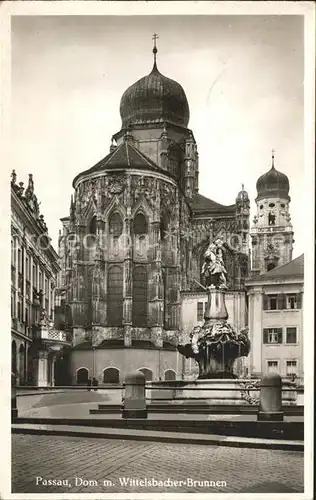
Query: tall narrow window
140	296
200	311
115	296
140	224
115	231
164	225
115	225
92	230
140	230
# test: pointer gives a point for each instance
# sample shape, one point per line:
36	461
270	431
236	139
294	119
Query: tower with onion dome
272	231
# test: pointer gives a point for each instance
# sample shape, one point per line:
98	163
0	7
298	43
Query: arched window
140	230
22	364
140	296
13	358
82	376
93	225
91	233
170	375
140	225
115	296
111	376
271	219
115	225
271	266
148	373
164	225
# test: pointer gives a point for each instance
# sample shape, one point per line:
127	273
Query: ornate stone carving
116	187
144	186
168	194
246	387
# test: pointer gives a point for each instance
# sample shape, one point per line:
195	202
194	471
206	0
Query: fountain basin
213	392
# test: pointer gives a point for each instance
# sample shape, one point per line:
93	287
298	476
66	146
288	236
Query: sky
243	77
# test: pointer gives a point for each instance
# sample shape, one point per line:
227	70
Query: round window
261	207
271	205
282	205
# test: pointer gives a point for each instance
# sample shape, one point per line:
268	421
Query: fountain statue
216	344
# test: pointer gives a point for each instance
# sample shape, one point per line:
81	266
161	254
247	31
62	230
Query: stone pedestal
216	307
134	404
41	369
14	409
270	398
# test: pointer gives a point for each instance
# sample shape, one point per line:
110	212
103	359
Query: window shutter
279	330
299	300
265	335
281	301
265	302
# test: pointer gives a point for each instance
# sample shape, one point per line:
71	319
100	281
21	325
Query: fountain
216	344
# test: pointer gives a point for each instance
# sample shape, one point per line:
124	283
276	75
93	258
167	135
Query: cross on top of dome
273	151
155	50
154	99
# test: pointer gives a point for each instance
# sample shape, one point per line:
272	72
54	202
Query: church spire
155	50
273	151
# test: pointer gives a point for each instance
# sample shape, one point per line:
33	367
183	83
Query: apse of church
138	229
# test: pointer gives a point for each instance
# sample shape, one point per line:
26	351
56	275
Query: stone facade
34	268
276	320
137	232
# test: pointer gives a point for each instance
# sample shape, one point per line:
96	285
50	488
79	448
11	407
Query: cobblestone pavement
110	463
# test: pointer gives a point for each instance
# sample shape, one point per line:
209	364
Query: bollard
270	398
14	409
134	404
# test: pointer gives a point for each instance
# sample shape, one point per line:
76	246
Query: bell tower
272	230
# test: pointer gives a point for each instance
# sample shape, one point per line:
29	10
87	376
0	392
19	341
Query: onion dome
154	99
242	195
273	184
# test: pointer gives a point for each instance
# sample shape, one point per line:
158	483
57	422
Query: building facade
135	238
276	320
275	290
34	269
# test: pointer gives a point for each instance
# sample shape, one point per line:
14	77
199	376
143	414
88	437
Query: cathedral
131	249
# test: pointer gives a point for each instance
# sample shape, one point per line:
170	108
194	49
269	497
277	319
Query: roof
124	156
201	204
293	269
154	99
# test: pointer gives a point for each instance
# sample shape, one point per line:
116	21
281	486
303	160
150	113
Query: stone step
173	407
246	428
